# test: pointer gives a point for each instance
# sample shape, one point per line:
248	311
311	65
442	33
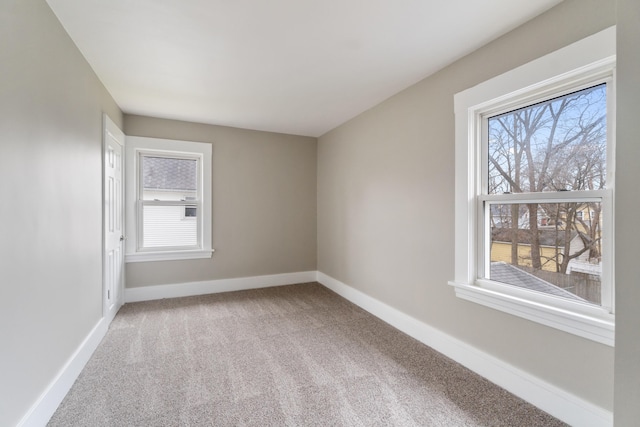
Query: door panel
113	280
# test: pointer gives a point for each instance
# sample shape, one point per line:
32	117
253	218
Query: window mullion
546	197
168	202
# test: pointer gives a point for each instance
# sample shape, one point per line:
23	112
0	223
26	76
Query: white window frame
137	146
576	66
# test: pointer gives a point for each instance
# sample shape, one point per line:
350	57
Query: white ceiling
293	66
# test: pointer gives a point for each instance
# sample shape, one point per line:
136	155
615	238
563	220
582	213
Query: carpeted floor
288	356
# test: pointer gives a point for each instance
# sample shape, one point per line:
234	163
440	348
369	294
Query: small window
169	199
167	182
534	190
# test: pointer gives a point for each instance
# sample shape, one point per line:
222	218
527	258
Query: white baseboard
148	293
551	399
50	399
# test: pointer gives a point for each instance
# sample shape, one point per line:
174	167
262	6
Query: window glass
556	252
556	145
545	245
168	178
169	190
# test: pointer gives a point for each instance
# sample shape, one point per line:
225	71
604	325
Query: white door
113	271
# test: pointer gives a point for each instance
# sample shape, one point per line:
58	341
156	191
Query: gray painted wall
51	106
386	208
264	203
627	367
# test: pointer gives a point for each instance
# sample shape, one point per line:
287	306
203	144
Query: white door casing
114	233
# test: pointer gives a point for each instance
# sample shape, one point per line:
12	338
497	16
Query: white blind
167	226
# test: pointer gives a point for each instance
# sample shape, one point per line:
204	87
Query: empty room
406	213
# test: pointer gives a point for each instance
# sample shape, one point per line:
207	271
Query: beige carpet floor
287	356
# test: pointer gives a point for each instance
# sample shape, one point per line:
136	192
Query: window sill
599	329
168	255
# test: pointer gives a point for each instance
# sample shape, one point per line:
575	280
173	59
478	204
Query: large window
169	199
534	190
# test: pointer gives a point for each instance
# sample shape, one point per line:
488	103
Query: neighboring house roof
162	173
582	266
512	275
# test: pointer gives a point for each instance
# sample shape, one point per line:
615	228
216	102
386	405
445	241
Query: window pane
168	226
556	145
190	212
546	248
165	178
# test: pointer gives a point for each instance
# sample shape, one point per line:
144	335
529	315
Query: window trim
583	62
137	146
